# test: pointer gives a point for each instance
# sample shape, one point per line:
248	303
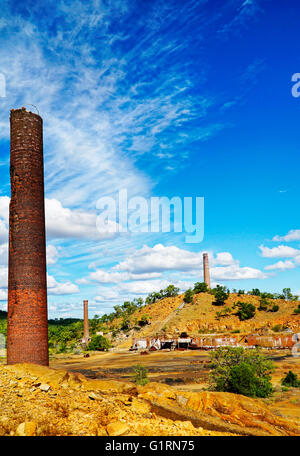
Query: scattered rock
117	428
44	387
27	428
94	396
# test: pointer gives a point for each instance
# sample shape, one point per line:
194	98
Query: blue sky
163	98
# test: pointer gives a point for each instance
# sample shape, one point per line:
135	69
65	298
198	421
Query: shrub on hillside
140	376
278	328
99	343
254	292
169	292
188	296
236	370
144	320
220	294
200	287
244	380
263	304
297	310
287	295
246	311
291	379
268	295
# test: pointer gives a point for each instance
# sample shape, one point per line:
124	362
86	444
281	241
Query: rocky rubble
36	400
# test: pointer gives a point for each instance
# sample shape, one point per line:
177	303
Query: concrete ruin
206	275
27	320
86	334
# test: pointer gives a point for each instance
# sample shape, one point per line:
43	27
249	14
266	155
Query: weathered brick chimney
27	321
86	335
206	269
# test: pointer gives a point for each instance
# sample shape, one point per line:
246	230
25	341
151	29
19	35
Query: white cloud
292	235
4	254
62	288
4	208
82	281
148	286
3	276
102	276
3	231
54	287
281	265
3	295
235	272
107	294
161	258
282	251
64	223
225	258
52	254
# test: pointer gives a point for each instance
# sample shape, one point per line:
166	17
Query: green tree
200	287
140	376
144	320
220	294
252	378
255	292
267	295
244	380
297	310
170	291
99	343
291	379
286	292
274	308
188	296
245	311
263	304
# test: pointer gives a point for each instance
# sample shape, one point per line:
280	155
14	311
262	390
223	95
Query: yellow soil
36	400
201	315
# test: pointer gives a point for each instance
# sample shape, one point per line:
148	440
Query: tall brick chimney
27	322
206	269
86	335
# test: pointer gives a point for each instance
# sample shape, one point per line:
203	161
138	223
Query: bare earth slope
200	316
36	400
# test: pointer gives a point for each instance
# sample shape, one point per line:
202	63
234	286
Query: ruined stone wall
27	326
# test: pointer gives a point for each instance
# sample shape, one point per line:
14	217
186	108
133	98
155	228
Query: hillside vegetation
198	311
203	311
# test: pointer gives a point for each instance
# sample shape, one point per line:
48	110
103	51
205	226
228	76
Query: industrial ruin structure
86	336
210	342
27	320
206	269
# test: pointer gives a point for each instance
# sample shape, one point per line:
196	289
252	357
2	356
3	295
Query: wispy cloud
292	235
245	10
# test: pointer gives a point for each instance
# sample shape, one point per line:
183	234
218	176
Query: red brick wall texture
27	324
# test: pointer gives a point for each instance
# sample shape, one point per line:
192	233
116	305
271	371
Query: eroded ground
35	400
185	371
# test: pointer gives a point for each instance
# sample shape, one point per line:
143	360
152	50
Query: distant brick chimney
27	321
206	269
86	336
